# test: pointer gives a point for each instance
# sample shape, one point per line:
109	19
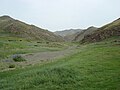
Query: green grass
95	67
22	46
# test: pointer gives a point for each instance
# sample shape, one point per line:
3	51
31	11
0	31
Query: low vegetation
12	66
95	67
11	45
18	58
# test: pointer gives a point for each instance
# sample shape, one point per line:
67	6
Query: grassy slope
95	67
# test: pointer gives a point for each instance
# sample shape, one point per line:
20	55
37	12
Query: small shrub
39	42
12	66
47	42
36	45
10	40
18	58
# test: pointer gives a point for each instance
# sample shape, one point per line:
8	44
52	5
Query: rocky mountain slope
67	32
83	33
16	28
70	38
107	31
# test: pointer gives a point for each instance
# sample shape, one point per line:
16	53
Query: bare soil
36	58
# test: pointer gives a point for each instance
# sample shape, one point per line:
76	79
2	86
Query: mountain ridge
66	32
83	33
104	32
18	28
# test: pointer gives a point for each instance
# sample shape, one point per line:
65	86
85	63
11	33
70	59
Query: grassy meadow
10	46
13	45
95	67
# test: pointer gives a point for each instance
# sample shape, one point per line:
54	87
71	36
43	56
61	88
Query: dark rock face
105	32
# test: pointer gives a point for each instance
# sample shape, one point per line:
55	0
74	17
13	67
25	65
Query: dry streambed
45	56
35	58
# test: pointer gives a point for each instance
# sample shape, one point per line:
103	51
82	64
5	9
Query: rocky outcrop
83	33
107	31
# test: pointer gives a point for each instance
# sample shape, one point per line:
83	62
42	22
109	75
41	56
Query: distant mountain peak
117	20
5	17
67	32
91	27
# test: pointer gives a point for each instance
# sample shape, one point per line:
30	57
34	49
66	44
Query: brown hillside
107	31
17	28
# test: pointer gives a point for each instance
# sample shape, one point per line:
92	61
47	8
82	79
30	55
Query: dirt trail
35	58
41	56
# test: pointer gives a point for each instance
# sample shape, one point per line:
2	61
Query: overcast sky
62	14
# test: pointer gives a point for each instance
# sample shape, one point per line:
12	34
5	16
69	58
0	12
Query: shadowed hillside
16	28
71	37
83	33
75	35
107	31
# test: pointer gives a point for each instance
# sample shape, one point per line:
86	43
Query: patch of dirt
45	56
35	58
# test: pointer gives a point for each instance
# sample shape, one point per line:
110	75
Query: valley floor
39	57
94	66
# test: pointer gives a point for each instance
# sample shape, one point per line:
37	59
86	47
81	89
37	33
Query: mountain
107	31
67	32
70	38
16	28
83	33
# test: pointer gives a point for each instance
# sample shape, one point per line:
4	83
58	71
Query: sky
56	15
